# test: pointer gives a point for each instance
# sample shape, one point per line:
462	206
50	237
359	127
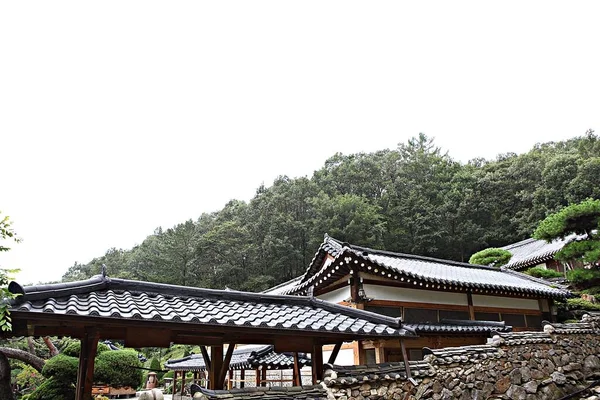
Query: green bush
584	278
540	272
580	304
74	348
118	368
493	256
52	389
62	368
29	379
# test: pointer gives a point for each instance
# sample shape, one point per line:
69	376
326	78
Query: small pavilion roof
247	357
418	272
169	313
531	252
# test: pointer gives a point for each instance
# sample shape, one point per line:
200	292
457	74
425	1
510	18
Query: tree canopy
411	199
493	256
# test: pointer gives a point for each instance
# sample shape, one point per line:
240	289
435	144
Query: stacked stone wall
526	366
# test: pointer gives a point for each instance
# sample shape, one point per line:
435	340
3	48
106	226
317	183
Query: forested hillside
414	199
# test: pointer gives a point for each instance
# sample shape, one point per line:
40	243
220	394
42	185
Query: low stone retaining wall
523	366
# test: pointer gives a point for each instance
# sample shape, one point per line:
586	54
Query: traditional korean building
250	366
531	253
447	303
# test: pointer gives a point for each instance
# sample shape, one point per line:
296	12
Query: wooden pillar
174	382
225	366
85	370
379	354
297	377
471	307
334	353
263	377
317	363
230	383
216	362
405	357
182	382
242	378
257	376
550	307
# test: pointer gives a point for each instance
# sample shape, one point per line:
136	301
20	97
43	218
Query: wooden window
370	356
516	320
389	311
534	321
448	314
483	316
415	354
416	315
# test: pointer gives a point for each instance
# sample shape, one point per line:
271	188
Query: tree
582	219
493	256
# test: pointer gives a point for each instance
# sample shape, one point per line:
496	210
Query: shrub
540	272
492	256
74	348
580	304
29	379
62	368
118	368
584	278
53	389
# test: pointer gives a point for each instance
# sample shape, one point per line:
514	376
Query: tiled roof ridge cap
519	243
281	284
537	280
36	292
260	352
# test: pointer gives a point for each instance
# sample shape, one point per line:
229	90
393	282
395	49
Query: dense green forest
414	199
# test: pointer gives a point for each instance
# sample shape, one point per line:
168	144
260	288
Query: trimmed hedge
53	389
118	368
62	368
74	348
540	272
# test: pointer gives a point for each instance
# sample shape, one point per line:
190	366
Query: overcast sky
120	116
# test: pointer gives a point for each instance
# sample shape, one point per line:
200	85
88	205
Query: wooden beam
297	377
225	365
471	308
206	358
85	370
317	363
335	352
405	357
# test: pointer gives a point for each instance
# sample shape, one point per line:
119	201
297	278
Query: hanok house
250	366
146	314
447	303
531	253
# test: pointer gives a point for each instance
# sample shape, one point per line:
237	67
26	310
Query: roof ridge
519	243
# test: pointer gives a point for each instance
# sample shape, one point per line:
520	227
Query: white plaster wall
377	292
505	302
344	357
337	295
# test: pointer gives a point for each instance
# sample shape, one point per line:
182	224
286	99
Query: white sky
120	116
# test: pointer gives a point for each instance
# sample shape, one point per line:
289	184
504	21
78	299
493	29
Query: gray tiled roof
424	272
531	252
389	371
264	393
282	288
112	298
460	327
247	357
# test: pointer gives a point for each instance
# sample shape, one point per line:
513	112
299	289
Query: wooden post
550	307
355	285
216	361
85	370
205	357
317	363
405	357
297	377
230	383
225	365
242	378
263	377
174	382
379	354
257	376
471	307
195	377
182	382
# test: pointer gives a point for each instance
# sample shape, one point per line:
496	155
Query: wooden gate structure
146	314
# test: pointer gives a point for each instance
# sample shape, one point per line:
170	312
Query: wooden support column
216	362
379	354
550	307
334	353
471	307
225	365
297	377
355	285
317	363
263	377
85	370
196	377
205	357
182	382
257	377
174	381
406	364
242	378
230	383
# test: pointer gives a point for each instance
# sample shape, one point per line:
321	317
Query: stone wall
526	365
